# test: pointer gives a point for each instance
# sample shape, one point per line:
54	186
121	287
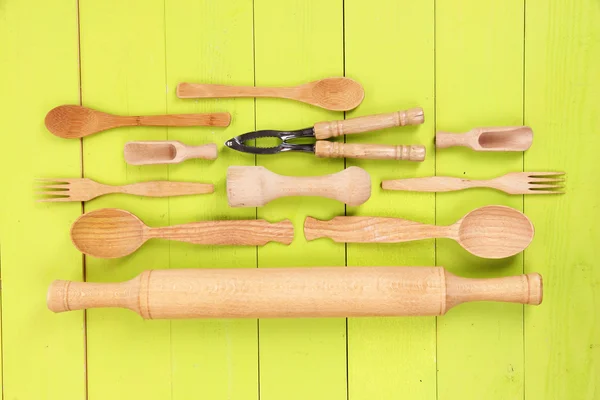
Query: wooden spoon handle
207	91
372	230
206	151
329	129
239	232
166	188
444	140
324	148
293	292
431	184
209	119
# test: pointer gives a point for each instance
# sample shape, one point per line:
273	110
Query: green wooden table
468	63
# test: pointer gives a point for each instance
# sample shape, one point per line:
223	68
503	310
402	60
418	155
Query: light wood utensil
112	233
488	232
71	121
257	186
511	183
166	152
84	189
293	292
338	94
507	138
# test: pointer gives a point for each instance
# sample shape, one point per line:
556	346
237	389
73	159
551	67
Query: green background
468	63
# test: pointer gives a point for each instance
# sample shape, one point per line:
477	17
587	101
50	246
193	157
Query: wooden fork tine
547	186
543	174
545	179
52	199
545	192
59	186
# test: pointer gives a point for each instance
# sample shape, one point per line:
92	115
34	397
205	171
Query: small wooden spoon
71	122
337	94
111	233
488	232
166	152
508	138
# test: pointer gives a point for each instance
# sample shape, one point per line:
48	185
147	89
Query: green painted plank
387	356
562	87
479	82
42	353
216	359
123	72
297	42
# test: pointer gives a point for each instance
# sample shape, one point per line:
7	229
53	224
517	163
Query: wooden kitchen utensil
84	189
338	94
511	183
256	186
166	152
71	122
488	232
507	138
111	233
330	129
293	292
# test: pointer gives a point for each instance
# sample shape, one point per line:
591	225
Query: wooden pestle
293	292
256	186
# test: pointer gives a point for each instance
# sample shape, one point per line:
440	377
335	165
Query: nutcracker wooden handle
293	292
329	129
323	148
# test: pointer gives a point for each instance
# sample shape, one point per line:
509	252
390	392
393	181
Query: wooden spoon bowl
337	94
494	232
101	233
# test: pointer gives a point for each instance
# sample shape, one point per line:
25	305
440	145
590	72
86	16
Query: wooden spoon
508	138
111	233
71	122
257	186
337	94
293	292
166	152
488	232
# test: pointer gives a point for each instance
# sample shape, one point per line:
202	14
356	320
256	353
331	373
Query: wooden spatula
293	292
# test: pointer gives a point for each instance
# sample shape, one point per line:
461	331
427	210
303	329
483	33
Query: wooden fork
84	189
511	183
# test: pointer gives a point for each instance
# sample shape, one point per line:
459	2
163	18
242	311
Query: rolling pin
293	292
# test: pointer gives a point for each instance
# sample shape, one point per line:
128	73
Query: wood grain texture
213	359
293	292
336	94
166	152
71	121
562	340
42	357
113	233
511	183
488	232
85	189
479	82
392	357
123	73
299	359
327	149
257	186
502	138
331	129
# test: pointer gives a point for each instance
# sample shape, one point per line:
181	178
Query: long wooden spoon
111	233
506	138
71	122
488	232
166	152
338	94
293	292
